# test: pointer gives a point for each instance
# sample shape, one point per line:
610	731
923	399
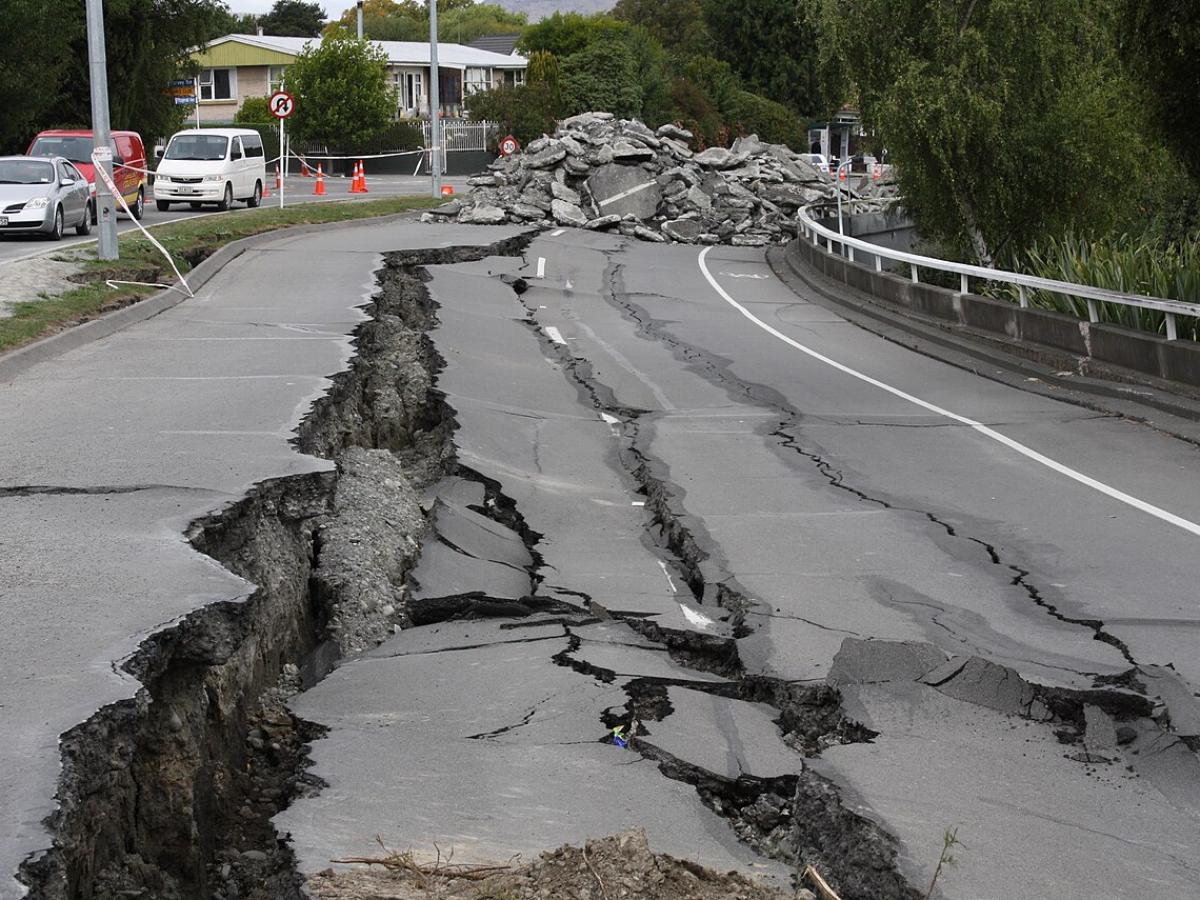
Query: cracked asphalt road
836	510
694	480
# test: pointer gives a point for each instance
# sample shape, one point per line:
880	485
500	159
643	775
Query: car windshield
76	149
26	171
197	146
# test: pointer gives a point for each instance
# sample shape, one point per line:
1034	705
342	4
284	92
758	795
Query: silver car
43	194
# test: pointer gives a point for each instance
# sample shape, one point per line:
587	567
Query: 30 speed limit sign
509	146
282	104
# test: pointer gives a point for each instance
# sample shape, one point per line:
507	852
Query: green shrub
772	122
526	112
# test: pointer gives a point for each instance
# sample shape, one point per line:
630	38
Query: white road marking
554	335
638	503
629	193
556	232
1041	459
671	581
611	420
755	276
541	267
698	619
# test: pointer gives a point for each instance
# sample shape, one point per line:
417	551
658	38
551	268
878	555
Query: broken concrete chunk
546	158
562	192
685	231
527	212
621	190
602	222
648	234
718	158
483	214
567	213
626	152
453	208
872	662
674	131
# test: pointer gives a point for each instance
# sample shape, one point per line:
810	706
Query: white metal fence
847	246
462	135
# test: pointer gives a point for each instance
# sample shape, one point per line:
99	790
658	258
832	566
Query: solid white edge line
556	232
1054	465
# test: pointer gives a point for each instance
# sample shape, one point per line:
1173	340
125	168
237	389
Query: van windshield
76	149
197	146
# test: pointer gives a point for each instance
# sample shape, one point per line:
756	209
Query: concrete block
987	314
932	300
1123	347
1051	329
1180	361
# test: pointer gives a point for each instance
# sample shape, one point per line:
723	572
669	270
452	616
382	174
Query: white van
211	165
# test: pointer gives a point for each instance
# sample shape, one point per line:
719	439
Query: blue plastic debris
619	738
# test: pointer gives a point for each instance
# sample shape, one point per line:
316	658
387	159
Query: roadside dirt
619	866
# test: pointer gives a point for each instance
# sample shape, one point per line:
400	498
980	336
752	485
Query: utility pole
360	5
106	213
435	105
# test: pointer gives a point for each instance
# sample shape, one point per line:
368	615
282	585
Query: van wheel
84	228
255	200
227	200
162	205
139	206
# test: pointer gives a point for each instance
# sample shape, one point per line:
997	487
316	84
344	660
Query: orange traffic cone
278	179
266	191
356	183
841	174
447	190
362	177
304	172
319	187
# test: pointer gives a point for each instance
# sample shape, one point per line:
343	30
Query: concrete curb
21	359
1029	367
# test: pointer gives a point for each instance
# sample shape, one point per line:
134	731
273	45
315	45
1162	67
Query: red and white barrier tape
108	182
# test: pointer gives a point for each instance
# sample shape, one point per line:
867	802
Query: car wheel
256	199
227	200
162	205
84	228
139	206
57	232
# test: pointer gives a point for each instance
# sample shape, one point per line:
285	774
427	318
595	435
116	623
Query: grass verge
189	241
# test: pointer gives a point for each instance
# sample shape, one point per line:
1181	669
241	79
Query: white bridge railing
817	233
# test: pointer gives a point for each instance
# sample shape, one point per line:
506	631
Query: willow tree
1008	120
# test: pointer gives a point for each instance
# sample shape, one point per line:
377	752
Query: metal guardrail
810	229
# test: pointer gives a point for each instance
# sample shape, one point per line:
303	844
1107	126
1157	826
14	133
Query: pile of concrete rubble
599	172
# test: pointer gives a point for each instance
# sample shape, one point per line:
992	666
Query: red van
129	161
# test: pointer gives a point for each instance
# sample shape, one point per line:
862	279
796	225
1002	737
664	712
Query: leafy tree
678	25
149	44
1007	120
602	77
543	67
460	21
294	18
344	95
566	33
526	112
1161	44
226	22
253	111
774	46
41	44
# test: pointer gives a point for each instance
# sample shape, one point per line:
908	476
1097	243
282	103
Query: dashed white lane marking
557	231
541	267
698	619
667	573
1041	459
611	420
554	335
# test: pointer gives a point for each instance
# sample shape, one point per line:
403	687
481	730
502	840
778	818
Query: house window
275	78
519	77
476	80
217	84
409	88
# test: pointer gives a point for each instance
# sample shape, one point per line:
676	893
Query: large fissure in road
170	794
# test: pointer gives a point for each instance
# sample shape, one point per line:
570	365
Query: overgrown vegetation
189	242
461	21
662	62
1057	136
